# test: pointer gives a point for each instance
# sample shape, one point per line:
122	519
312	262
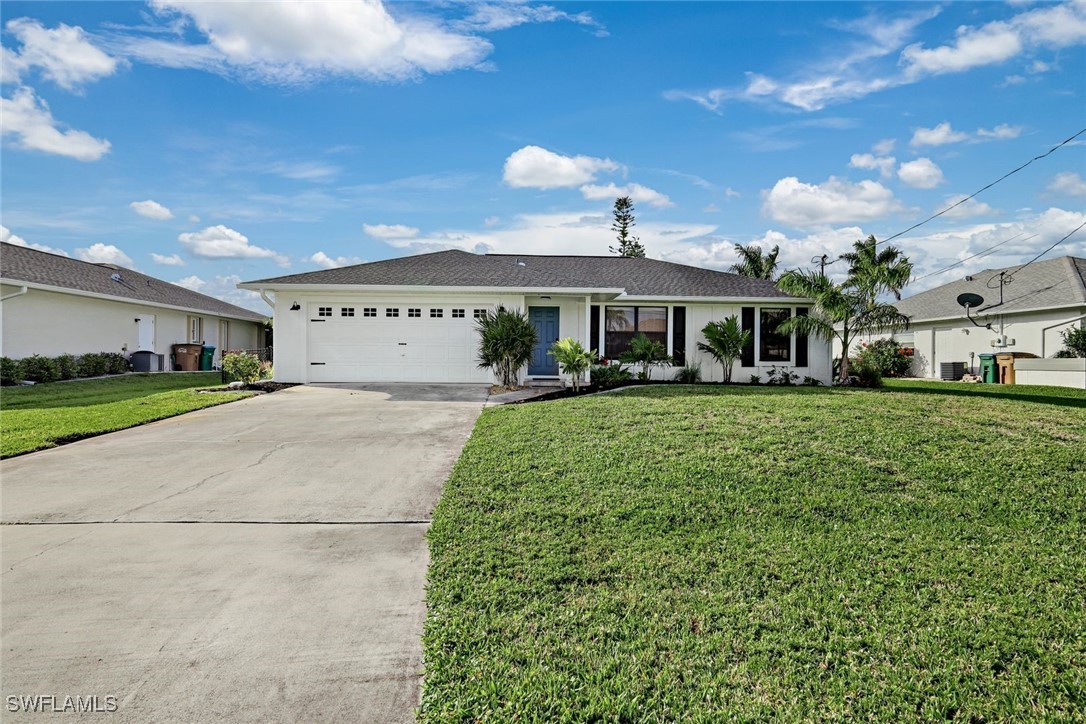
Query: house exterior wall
53	323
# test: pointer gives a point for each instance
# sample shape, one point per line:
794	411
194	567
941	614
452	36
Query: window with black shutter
802	358
678	335
747	319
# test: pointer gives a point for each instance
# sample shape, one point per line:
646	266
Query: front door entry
545	321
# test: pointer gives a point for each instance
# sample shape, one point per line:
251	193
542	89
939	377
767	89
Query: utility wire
1050	151
1072	233
974	256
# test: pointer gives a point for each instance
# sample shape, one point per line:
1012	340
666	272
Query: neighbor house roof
23	265
1041	285
637	277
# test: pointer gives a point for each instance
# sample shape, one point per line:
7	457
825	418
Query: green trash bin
989	370
206	358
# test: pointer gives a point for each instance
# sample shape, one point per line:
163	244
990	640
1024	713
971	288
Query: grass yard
676	553
44	416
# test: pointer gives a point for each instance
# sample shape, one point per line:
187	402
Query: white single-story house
412	319
52	305
1024	311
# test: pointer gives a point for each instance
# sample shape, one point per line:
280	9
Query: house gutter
267	300
22	290
1053	326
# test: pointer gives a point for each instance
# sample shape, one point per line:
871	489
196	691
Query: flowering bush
887	356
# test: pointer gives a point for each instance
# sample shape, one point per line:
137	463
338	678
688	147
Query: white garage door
350	342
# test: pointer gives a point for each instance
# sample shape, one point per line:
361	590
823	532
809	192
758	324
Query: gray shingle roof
1044	284
23	264
454	268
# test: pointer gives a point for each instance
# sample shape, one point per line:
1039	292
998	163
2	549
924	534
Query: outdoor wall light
295	307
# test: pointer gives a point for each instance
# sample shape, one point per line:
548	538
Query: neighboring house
1026	314
53	305
413	319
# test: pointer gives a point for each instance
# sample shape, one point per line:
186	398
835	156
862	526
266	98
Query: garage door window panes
414	312
346	311
479	313
324	311
458	314
437	313
369	311
625	323
392	312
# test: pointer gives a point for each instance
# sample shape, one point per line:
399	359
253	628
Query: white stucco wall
53	323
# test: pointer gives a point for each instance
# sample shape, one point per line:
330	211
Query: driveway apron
259	561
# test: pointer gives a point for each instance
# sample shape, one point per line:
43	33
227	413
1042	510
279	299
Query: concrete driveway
260	561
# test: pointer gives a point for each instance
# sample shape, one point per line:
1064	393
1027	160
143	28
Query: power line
958	203
1072	233
974	256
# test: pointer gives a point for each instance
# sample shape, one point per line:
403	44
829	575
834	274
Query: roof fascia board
125	300
423	289
717	300
994	311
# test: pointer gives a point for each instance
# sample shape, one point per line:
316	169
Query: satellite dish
968	299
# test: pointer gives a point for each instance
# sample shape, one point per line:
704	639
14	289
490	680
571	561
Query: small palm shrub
573	359
688	375
646	353
11	372
607	376
724	342
242	366
755	379
506	341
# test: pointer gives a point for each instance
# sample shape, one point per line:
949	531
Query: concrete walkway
260	561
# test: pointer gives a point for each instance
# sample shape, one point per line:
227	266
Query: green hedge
37	368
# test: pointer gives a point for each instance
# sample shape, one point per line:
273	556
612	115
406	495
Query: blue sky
208	143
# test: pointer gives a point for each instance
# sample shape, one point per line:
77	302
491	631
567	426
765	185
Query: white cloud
802	205
793	252
222	242
305	170
970	209
172	260
104	254
194	219
63	53
884	147
992	43
226	289
538	168
730	193
923	173
306	41
636	192
326	262
941	135
390	231
491	221
870	162
28	119
1068	183
151	210
6	235
1002	132
489	17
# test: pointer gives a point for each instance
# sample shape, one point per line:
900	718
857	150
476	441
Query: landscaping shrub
688	375
645	352
756	379
93	364
267	371
887	356
242	366
10	371
783	376
865	375
68	366
506	340
39	369
1074	342
605	376
812	382
725	341
573	359
116	363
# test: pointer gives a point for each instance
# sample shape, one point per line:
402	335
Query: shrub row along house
53	305
412	319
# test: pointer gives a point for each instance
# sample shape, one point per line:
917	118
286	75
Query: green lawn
675	553
44	416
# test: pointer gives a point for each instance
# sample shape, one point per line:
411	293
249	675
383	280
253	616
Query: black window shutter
594	330
801	342
747	360
678	335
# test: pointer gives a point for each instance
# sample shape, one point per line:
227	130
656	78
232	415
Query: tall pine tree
628	244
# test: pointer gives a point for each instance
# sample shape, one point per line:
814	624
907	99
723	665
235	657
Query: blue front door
545	321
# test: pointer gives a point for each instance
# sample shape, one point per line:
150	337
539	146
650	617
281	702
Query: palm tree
841	311
724	341
506	341
755	263
877	272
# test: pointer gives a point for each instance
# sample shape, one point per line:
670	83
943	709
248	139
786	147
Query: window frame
369	311
414	312
437	313
661	336
346	311
458	313
789	340
195	329
391	312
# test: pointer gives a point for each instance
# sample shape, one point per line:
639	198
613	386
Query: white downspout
22	290
588	333
1043	329
267	300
